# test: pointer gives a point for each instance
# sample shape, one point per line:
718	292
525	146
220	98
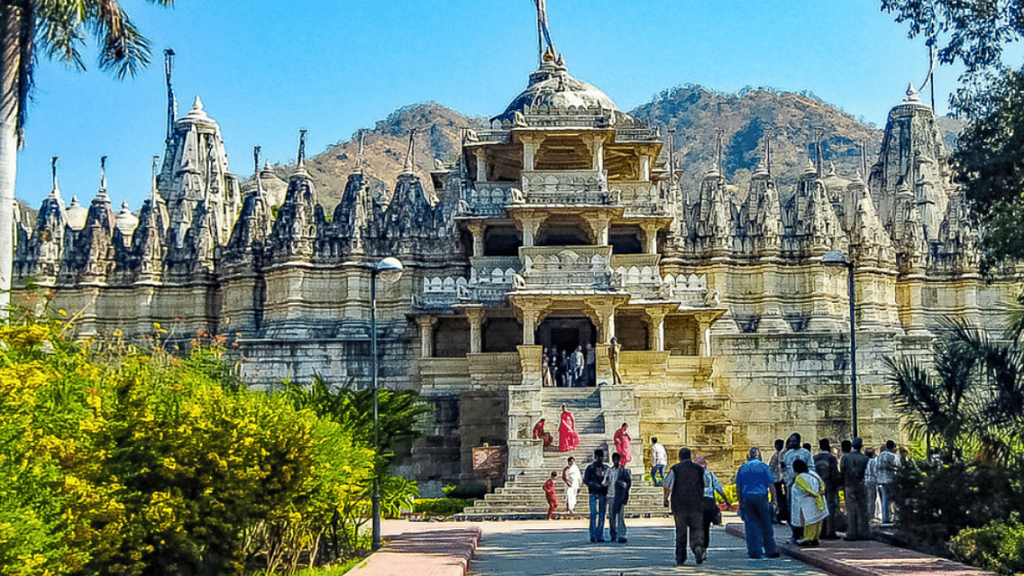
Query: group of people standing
862	476
569	368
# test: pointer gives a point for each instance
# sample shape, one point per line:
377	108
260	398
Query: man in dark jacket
853	465
684	488
618	481
827	468
593	478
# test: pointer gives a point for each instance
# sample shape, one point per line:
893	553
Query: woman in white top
572	478
809	507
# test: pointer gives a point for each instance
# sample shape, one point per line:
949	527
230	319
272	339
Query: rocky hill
695	112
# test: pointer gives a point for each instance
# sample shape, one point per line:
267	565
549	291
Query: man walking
659	459
684	488
618	481
594	480
853	466
579	365
888	466
573	478
753	481
827	468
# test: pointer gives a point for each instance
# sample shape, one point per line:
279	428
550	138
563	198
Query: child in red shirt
549	491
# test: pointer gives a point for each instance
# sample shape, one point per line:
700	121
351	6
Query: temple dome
76	214
552	86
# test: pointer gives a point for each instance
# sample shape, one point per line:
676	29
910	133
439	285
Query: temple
562	224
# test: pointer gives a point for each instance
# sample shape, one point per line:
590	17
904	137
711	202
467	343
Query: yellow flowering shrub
122	459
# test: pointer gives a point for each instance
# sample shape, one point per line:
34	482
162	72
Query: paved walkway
867	558
562	547
444	551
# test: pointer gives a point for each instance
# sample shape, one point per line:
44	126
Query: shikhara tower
562	223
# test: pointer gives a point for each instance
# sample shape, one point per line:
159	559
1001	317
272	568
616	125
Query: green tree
57	30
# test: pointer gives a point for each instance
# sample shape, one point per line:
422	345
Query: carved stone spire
295	229
39	256
254	225
359	158
148	248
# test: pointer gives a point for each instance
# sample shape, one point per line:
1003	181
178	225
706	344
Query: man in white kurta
573	478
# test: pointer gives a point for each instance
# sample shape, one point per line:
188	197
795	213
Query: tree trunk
10	62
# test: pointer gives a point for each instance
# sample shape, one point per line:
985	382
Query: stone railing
489	198
565	187
636	134
569	267
640	276
640	198
691	289
495	270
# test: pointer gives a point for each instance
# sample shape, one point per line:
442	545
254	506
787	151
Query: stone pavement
866	558
445	551
536	548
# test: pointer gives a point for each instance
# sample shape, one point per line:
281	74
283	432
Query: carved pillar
605	314
530	224
475	315
481	164
655	329
426	335
530	317
600	223
704	322
476	228
596	147
531	145
645	168
650	237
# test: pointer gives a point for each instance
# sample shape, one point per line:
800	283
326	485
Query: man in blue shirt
752	483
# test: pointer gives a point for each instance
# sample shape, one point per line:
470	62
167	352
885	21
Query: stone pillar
600	223
596	147
605	321
704	322
531	144
650	237
645	168
655	329
426	335
530	223
475	315
476	228
481	164
530	317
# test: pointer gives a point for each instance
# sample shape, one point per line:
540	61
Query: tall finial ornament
103	173
359	158
256	168
301	161
410	159
155	165
55	191
819	166
172	104
719	133
544	34
672	155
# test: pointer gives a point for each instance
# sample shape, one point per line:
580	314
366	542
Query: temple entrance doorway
562	334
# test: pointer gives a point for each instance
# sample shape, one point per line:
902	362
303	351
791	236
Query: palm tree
57	29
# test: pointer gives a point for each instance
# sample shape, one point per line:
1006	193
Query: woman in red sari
568	439
622	441
540	434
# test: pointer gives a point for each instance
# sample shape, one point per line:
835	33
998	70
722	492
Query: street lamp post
389	270
837	258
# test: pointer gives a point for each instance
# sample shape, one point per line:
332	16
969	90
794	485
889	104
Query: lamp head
834	258
390	269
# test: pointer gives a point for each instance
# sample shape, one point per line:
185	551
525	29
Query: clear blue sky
266	69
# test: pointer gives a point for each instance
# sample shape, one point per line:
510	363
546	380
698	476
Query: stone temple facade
563	223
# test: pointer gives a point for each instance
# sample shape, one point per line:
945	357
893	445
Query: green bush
121	459
997	546
440	506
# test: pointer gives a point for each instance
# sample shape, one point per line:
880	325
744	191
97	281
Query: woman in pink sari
622	441
568	439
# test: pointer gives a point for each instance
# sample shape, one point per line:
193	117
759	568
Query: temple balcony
641	198
566	268
565	187
488	199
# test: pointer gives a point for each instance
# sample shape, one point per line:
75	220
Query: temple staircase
522	497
